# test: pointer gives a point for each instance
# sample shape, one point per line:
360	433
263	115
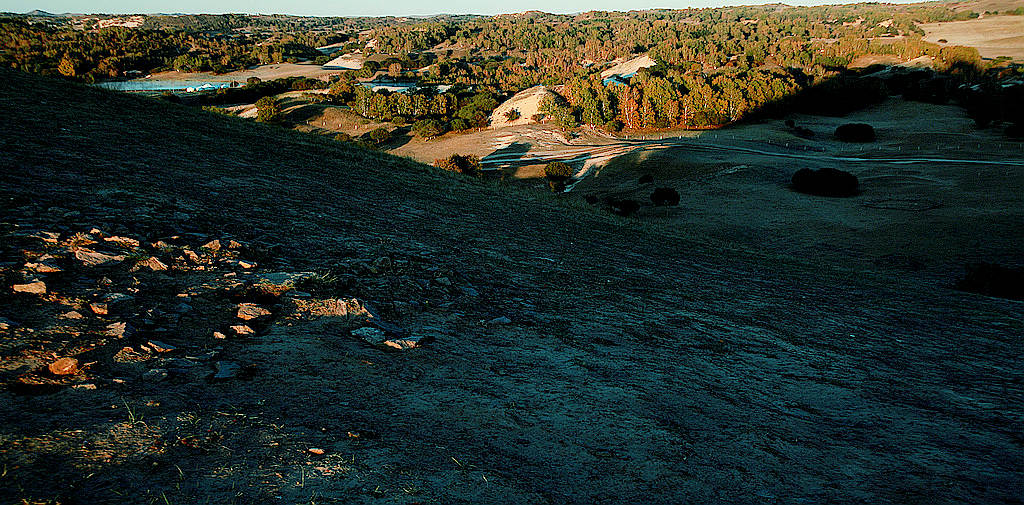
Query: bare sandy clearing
263	72
351	61
526	102
993	36
629	67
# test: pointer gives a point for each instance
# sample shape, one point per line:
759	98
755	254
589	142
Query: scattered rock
363	434
155	375
250	311
95	259
48	237
374	336
278	283
468	291
246	264
226	370
74	314
388	328
151	263
234	244
64	366
159	347
501	320
35	288
129	355
42	268
127	243
352	308
219	336
242	330
116	301
191	256
99	308
410	342
316	450
6	324
213	245
117	330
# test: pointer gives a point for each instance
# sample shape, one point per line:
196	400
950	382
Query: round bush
855	132
825	182
558	171
622	208
665	197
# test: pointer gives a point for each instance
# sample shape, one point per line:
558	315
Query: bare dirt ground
993	36
575	358
263	72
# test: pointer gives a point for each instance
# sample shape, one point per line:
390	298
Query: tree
512	115
379	136
428	128
463	164
268	110
558	171
67	66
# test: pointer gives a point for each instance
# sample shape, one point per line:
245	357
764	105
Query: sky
367	7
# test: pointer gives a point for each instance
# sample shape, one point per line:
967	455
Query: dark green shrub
855	132
825	182
268	110
463	164
663	197
379	136
558	171
428	128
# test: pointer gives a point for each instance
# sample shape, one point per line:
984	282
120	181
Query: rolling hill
559	355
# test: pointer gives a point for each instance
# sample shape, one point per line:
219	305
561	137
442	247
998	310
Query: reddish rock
151	263
35	288
250	311
95	259
64	366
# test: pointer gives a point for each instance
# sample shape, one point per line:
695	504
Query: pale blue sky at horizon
366	8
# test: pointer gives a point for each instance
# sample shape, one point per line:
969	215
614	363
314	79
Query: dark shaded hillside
575	358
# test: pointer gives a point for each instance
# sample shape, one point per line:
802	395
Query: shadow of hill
507	155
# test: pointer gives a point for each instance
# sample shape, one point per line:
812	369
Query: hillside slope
576	358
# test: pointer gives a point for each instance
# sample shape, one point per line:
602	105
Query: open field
576	357
263	72
734	181
993	36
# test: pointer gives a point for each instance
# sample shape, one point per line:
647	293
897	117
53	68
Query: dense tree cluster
458	109
112	52
714	66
